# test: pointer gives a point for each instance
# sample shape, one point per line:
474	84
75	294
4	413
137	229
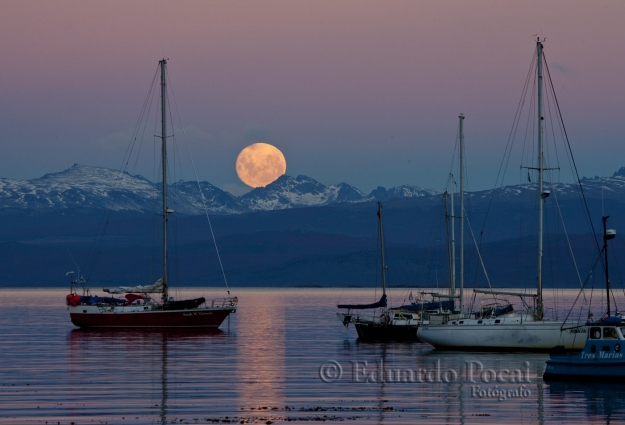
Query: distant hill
293	232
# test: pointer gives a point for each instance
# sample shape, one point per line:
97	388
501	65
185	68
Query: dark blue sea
283	357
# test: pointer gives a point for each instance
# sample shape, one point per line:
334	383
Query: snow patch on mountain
78	187
81	188
297	192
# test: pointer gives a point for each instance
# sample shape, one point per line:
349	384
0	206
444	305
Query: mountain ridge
86	187
294	232
82	186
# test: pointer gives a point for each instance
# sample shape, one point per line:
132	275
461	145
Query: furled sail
157	287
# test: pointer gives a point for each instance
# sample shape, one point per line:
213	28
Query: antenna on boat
607	235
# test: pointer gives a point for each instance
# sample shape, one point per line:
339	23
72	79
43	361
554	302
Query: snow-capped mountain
403	191
78	187
593	188
300	191
185	197
84	188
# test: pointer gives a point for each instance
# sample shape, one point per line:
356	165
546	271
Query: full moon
260	164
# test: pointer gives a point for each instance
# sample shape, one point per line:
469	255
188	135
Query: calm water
264	366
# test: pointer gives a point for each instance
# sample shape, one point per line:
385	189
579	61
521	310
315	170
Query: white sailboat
507	329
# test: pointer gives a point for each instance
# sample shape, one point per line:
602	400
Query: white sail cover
157	287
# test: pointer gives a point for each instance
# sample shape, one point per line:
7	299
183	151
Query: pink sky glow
363	92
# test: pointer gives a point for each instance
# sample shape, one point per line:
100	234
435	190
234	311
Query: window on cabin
595	333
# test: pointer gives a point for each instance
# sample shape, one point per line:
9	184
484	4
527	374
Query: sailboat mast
605	253
461	165
539	282
452	240
381	236
163	64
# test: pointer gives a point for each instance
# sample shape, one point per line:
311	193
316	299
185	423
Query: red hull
195	318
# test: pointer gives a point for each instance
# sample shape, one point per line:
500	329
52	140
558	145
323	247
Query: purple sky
361	92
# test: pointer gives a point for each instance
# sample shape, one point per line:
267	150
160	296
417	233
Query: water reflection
270	357
447	387
261	359
603	402
138	365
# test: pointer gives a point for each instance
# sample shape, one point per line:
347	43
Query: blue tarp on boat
434	305
100	300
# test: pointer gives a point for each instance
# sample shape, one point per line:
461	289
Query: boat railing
371	318
224	302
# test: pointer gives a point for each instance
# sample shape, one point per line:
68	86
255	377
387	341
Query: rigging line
508	149
572	159
156	199
173	193
201	192
453	158
479	254
431	240
147	102
515	124
553	135
155	173
611	291
96	249
592	290
434	237
448	245
498	188
529	139
597	259
377	263
618	271
620	242
611	252
566	234
144	113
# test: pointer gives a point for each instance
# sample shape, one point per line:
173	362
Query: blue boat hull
600	360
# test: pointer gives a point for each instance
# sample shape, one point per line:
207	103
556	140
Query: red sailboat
140	306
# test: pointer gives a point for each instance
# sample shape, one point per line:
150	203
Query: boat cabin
605	332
